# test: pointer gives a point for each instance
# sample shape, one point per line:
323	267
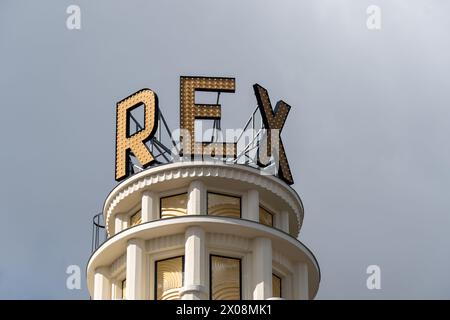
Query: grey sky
367	137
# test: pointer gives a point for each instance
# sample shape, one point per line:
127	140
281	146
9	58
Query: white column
301	289
135	269
149	206
262	268
115	290
197	198
252	206
284	221
119	222
194	265
102	284
286	287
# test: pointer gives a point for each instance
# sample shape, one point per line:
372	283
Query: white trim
152	258
165	236
192	170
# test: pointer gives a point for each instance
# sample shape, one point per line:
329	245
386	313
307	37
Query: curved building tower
202	230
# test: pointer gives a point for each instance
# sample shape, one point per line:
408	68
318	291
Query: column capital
194	230
136	241
104	271
197	184
148	193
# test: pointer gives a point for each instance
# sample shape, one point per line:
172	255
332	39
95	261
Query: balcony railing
99	234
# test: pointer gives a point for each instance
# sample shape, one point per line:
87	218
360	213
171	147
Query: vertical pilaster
301	288
252	205
284	221
196	198
120	222
262	268
194	265
102	284
149	206
135	269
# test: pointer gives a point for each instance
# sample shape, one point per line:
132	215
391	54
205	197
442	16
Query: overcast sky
367	137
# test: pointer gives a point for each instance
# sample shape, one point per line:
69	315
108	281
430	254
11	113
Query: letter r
134	144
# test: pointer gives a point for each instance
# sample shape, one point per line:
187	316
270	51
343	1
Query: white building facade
198	231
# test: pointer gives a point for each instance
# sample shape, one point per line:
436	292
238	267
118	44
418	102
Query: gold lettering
189	111
135	144
273	120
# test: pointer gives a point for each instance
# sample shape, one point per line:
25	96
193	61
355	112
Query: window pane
135	218
276	286
169	278
222	205
174	206
265	217
225	278
124	289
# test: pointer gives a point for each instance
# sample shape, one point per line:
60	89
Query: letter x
273	120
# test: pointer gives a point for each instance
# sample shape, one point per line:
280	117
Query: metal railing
99	234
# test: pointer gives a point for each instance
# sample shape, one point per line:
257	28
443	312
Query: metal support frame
163	155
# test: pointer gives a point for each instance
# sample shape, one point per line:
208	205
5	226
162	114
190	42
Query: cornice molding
185	170
228	241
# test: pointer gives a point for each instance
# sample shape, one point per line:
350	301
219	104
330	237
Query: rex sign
271	147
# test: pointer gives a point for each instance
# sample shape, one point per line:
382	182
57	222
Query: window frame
155	280
130	218
211	255
269	212
281	284
122	290
226	195
169	196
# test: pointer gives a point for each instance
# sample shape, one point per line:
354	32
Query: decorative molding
183	170
165	243
282	260
228	241
118	265
161	230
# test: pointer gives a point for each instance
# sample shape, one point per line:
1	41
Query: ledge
290	246
189	170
